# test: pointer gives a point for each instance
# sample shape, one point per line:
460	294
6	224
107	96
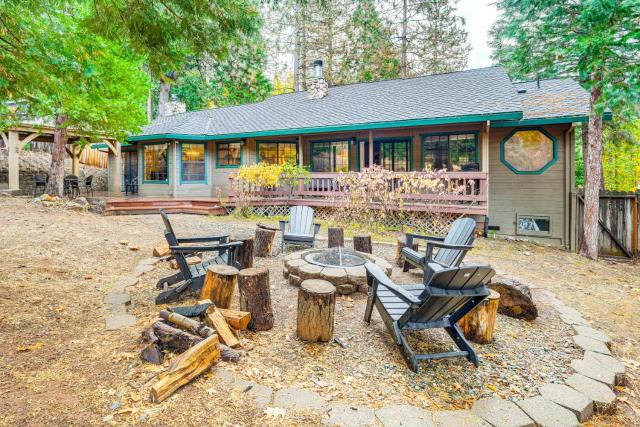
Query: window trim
536	172
154	181
351	142
534	233
423	135
277	142
407	138
218	143
206	164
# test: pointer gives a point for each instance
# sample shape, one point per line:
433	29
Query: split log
174	338
238	320
174	264
216	320
162	250
362	244
316	306
255	297
401	244
219	285
186	367
264	241
245	252
478	325
188	324
515	298
335	237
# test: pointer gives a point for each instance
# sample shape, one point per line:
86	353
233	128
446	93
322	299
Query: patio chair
192	276
301	231
131	186
40	182
70	186
87	185
450	249
446	298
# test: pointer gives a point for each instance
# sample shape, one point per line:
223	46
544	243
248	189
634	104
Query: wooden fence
90	156
618	220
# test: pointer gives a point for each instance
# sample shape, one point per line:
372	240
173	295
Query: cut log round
245	252
316	306
264	241
515	298
220	284
174	338
336	237
400	245
255	297
478	325
362	244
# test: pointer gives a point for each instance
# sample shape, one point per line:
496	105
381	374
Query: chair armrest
283	225
442	245
378	275
189	249
410	236
223	238
316	228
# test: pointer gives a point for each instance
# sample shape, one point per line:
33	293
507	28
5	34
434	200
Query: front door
129	167
392	154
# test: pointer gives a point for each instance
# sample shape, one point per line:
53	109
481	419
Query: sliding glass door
393	154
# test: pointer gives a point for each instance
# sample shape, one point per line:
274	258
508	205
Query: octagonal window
528	151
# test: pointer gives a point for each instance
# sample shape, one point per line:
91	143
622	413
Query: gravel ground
59	265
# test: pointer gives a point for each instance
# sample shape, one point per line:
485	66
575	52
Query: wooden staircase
133	206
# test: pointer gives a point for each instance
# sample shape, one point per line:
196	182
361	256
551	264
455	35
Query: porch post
300	151
14	160
370	148
117	167
362	153
75	159
485	147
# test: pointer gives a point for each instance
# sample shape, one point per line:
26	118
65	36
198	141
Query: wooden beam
28	139
484	167
300	150
370	148
14	160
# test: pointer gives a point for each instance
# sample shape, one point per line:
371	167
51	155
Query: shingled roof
459	97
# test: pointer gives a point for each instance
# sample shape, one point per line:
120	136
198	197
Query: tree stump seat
316	307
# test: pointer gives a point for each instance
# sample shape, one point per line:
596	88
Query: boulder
515	298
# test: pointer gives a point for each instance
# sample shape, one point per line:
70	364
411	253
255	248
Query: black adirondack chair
41	183
302	230
192	276
88	187
450	249
450	294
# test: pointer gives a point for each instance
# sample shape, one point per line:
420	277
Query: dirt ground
60	367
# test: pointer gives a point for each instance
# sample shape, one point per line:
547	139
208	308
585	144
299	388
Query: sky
479	16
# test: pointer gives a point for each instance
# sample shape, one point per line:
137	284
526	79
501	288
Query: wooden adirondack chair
301	231
192	276
451	249
450	294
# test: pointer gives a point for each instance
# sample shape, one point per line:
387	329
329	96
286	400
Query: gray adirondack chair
450	249
301	230
450	294
191	276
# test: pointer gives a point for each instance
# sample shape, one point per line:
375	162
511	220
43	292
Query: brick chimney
317	87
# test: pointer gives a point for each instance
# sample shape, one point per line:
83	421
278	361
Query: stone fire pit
341	266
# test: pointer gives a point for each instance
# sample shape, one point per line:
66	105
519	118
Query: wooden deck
322	191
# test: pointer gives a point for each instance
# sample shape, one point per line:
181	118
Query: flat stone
292	256
337	276
346	289
573	400
142	269
357	275
570	320
594	371
224	376
120	321
117	299
299	399
589	344
294	280
546	413
309	271
125	282
501	413
285	273
294	265
604	400
608	363
592	333
261	395
349	416
149	261
460	418
404	416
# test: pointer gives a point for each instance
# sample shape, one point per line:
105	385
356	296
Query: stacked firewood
202	333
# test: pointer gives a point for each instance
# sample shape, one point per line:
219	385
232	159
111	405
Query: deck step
151	206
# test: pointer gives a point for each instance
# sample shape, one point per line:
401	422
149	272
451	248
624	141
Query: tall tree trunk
163	98
56	174
403	53
150	106
302	62
592	182
298	49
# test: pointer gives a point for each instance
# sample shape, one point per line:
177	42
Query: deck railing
469	192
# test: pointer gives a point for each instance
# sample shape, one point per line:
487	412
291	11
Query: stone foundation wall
38	163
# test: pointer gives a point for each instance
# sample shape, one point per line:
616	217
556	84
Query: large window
330	156
454	152
156	163
529	151
229	154
277	153
392	154
193	167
